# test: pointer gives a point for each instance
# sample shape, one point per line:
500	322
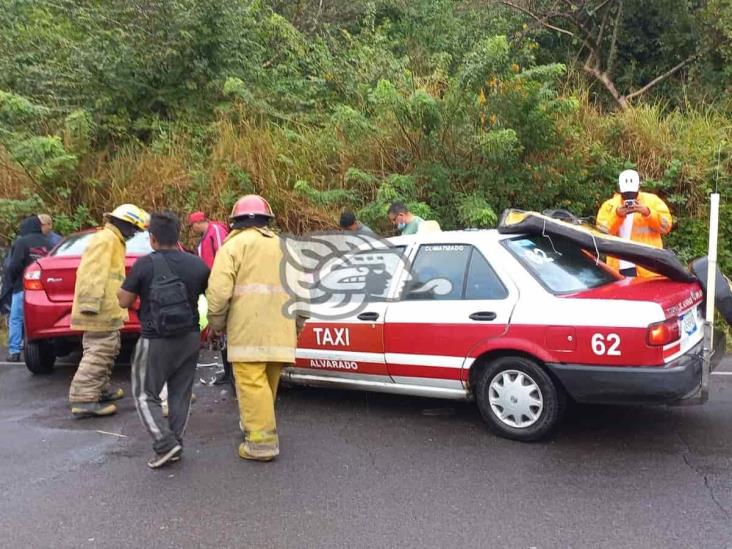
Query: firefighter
634	215
246	299
96	311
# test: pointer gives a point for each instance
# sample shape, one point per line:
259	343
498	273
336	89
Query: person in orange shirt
637	216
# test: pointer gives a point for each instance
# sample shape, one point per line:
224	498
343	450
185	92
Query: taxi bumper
637	385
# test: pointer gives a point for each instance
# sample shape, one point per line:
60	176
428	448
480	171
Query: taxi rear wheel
518	399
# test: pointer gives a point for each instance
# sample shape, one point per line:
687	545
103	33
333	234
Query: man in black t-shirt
159	360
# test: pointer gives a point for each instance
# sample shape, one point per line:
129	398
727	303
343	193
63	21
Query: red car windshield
74	245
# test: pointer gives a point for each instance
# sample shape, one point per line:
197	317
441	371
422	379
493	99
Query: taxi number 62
606	344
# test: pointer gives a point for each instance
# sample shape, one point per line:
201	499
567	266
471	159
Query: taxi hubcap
515	398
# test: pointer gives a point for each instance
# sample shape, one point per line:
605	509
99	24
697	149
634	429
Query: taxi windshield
558	264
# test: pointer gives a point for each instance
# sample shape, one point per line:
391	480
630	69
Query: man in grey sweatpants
161	358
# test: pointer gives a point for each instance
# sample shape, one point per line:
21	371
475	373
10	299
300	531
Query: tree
652	40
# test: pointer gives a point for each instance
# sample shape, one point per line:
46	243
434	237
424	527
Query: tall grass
241	153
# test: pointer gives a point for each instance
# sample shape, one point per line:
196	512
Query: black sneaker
158	460
110	396
14	357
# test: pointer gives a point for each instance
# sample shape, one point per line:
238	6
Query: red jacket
211	241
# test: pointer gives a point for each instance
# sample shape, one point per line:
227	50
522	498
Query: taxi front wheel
518	399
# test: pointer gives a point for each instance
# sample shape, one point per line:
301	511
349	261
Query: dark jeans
170	360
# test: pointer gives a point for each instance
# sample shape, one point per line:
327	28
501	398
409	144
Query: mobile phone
630	203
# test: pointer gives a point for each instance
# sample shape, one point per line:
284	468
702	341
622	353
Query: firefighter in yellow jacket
97	313
246	299
637	216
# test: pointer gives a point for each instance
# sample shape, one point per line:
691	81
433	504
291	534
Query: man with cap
96	311
246	298
634	215
47	229
212	235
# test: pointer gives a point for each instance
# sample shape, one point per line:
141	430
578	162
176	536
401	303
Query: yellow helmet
132	214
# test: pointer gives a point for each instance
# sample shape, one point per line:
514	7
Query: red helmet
251	205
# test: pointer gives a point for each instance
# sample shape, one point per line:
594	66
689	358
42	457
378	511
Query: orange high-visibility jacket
646	230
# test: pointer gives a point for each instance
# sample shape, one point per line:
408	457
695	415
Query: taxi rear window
558	264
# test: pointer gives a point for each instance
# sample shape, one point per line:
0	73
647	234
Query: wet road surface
362	470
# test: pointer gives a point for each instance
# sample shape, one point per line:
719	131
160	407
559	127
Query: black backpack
170	310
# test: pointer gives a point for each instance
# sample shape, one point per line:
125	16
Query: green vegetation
459	108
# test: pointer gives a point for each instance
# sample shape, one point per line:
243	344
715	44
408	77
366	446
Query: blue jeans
15	324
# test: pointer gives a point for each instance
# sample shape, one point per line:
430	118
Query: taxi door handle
483	316
368	316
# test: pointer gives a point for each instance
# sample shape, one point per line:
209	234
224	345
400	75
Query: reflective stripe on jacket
245	296
98	278
646	230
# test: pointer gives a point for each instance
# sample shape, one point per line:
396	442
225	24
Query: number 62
606	345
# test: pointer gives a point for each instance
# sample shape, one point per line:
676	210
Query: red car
49	292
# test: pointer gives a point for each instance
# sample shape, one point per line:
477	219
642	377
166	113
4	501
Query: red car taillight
663	333
32	278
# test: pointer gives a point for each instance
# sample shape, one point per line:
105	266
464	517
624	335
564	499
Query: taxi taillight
32	278
663	333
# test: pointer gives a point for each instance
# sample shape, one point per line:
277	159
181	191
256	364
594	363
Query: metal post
711	293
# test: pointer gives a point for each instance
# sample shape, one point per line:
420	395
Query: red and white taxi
524	322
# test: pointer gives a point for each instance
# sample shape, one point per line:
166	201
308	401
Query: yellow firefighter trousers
256	389
95	369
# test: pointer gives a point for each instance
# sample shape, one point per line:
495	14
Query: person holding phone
638	216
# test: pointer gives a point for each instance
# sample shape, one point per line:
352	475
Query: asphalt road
362	470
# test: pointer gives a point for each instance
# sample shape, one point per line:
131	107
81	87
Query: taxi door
453	300
352	344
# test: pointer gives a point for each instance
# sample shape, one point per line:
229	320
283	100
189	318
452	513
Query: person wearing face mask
634	215
97	313
402	219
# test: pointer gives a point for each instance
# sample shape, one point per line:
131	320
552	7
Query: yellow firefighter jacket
99	277
646	230
245	296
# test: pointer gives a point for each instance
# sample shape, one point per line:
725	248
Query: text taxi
517	323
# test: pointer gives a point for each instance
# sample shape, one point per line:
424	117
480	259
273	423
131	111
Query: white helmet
629	181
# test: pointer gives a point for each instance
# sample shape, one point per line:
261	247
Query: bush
190	104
